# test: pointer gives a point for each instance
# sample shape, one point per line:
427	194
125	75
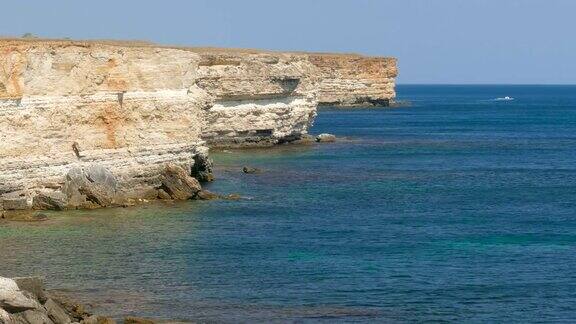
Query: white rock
325	138
4	317
12	299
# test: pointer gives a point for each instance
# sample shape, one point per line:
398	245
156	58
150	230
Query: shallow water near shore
457	208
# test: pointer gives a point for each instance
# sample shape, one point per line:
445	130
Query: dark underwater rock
251	170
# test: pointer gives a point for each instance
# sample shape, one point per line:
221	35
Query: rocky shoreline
95	187
93	124
24	300
90	124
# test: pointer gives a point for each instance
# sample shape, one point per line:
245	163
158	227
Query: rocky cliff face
88	124
353	80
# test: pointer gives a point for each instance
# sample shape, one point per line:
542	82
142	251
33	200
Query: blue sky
436	41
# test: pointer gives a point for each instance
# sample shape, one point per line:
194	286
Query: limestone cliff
353	80
87	124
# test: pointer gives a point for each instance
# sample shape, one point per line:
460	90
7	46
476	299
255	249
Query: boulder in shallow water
303	139
53	200
32	316
325	138
15	203
12	299
91	186
206	195
232	197
56	312
178	184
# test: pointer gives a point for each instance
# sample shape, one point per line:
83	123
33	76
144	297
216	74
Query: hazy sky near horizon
435	41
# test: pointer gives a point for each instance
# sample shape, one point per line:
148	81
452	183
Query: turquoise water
458	208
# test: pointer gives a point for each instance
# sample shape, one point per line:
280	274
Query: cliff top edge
12	41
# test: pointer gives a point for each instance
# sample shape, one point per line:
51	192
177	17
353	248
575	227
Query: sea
457	206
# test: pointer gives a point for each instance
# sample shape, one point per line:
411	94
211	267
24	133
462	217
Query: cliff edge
102	123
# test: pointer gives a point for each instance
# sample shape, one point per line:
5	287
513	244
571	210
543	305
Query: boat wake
504	99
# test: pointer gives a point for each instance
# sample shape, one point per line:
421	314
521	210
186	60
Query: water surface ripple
458	208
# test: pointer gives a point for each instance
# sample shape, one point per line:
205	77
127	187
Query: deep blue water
457	208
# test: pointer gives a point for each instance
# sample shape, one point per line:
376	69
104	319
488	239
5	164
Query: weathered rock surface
206	195
56	312
33	316
4	317
93	185
12	299
353	80
94	124
24	301
33	285
178	184
15	203
202	167
53	200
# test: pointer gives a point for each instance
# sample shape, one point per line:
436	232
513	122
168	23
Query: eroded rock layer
89	124
353	80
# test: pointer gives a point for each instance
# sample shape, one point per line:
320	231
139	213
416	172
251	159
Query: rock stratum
101	123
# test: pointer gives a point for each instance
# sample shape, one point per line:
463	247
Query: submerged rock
138	320
24	216
232	197
325	138
251	170
206	195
